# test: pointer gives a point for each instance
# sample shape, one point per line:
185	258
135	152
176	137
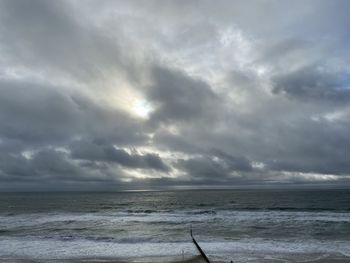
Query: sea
237	225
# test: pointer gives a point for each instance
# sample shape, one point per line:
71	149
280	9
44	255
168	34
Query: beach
192	259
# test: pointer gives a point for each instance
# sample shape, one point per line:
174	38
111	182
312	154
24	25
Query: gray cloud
218	167
49	37
36	113
15	168
136	94
108	153
178	96
27	111
312	83
44	165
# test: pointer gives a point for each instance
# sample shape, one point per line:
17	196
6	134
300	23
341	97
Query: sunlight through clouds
169	93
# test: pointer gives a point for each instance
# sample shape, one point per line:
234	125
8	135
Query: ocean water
244	225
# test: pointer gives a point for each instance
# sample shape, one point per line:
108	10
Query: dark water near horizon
226	223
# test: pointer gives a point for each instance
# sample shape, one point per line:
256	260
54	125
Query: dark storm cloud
14	167
132	94
203	168
218	166
54	170
46	163
31	112
108	153
35	113
54	163
312	83
178	96
34	116
314	147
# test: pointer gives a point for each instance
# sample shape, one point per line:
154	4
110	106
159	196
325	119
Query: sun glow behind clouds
142	108
129	99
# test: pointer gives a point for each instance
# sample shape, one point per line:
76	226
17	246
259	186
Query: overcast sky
109	95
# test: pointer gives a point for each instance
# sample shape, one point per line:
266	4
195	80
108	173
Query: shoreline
238	258
154	259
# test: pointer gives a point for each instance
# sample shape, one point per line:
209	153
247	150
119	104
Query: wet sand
195	259
199	259
187	259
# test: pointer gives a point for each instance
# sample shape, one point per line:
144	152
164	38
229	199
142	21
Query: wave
202	212
289	208
181	216
58	249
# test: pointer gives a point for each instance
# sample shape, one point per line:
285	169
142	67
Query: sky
115	95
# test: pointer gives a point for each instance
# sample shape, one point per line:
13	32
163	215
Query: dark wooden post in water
199	248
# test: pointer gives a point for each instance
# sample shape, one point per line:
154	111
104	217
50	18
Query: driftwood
199	248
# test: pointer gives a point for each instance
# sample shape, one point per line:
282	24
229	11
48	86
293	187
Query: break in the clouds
108	95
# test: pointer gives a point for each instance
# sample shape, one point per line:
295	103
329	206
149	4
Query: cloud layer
115	95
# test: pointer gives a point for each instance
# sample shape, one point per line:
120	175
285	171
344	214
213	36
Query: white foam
55	249
173	217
